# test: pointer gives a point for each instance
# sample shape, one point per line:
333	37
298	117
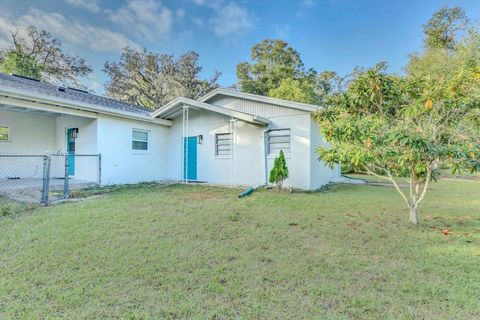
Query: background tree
278	71
279	172
443	28
151	79
15	62
273	61
299	90
35	53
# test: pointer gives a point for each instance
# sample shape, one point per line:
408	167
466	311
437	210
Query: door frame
186	173
71	169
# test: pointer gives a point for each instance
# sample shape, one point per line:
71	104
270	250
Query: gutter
77	105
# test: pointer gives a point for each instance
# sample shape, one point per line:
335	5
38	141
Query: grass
8	207
200	252
97	190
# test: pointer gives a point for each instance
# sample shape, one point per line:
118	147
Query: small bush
279	171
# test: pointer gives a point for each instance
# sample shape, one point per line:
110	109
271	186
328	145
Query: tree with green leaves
279	172
311	88
443	28
151	79
403	128
277	71
273	61
37	54
299	90
15	62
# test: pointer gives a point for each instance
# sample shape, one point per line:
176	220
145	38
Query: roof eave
173	106
255	97
56	101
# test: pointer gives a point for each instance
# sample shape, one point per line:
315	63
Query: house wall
86	168
121	164
298	159
320	174
29	134
247	170
112	137
37	134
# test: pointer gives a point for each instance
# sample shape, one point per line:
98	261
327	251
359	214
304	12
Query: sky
335	35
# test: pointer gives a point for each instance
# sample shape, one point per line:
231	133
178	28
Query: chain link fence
33	178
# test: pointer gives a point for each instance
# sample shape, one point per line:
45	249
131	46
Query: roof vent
23	77
78	90
62	89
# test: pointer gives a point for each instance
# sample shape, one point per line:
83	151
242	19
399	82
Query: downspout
182	147
265	154
230	130
250	190
184	144
233	150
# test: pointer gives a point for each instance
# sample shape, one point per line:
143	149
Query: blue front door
190	158
71	133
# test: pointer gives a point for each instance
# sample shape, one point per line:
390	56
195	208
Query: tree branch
390	178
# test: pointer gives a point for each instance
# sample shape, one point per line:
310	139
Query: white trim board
256	97
172	108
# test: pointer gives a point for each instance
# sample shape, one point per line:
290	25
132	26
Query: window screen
4	134
139	139
223	144
279	140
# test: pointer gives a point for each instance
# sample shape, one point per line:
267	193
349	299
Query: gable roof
256	97
34	90
173	108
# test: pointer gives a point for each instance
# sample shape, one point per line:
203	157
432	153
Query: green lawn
200	252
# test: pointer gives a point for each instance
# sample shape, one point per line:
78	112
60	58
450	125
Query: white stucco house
225	137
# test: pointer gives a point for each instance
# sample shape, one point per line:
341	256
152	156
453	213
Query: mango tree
403	128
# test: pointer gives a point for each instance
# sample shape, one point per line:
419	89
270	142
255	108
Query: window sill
223	157
139	153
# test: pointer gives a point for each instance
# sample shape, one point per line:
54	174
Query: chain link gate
47	178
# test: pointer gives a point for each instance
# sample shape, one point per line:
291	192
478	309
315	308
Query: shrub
279	171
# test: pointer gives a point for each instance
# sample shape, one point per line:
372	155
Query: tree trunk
414	215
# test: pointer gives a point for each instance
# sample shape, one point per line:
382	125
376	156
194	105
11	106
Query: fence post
65	182
99	169
46	179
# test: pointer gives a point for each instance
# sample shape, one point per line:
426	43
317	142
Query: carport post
65	182
99	169
46	179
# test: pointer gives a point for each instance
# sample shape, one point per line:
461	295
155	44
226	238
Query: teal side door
71	150
190	158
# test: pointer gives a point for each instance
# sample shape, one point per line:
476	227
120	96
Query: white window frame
147	141
9	134
230	144
288	133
